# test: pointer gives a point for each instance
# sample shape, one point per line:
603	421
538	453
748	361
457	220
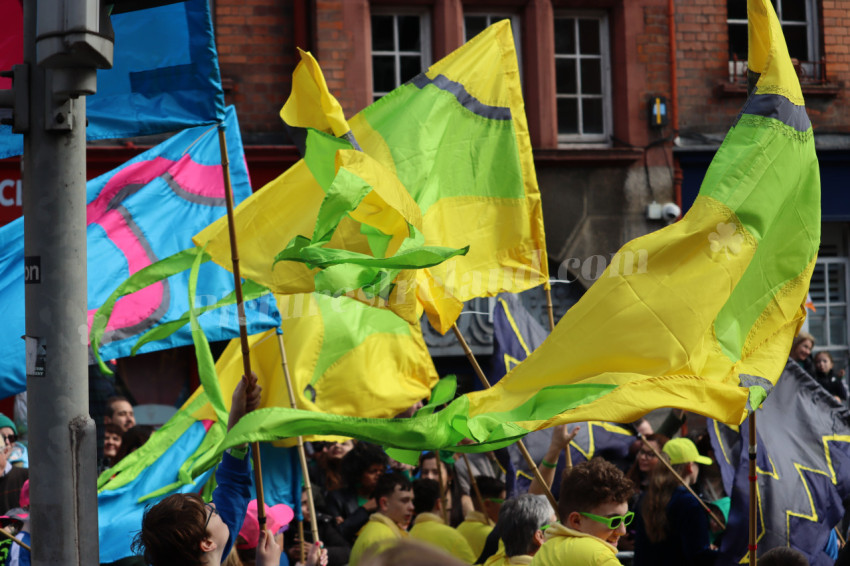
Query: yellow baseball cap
682	451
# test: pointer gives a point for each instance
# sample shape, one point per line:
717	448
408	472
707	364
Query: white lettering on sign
10	192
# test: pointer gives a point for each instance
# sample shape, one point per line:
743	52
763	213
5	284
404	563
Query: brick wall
257	56
702	36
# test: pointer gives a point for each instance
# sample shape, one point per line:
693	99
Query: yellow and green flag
705	324
456	139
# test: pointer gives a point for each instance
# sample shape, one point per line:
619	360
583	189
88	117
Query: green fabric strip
426	128
441	430
767	174
164	268
320	156
250	291
206	365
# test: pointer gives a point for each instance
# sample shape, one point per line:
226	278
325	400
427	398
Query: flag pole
681	480
473	483
547	287
528	459
308	485
753	546
240	306
549	308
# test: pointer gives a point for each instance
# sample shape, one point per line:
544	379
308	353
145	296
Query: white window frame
424	42
840	350
738	69
573	140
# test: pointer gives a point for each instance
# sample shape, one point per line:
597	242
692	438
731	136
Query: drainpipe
674	101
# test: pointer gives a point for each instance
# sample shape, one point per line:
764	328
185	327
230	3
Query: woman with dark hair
672	528
826	376
352	505
645	461
132	440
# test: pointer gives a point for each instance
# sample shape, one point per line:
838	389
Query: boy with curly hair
594	511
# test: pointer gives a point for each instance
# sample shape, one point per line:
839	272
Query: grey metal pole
62	445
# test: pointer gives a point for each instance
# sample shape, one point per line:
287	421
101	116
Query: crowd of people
663	504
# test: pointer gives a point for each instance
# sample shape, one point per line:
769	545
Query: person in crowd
521	523
12	480
826	375
16	453
479	523
430	527
120	412
783	556
277	517
645	460
394	497
352	505
481	464
337	547
672	526
132	440
112	434
327	462
410	553
182	530
558	443
594	509
801	351
429	464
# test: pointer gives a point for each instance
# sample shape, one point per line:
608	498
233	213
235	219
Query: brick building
592	71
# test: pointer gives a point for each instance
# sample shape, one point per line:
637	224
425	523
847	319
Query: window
582	78
400	50
829	323
799	25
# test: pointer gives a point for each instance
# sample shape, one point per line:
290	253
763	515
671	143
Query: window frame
494	16
839	350
810	68
424	42
583	139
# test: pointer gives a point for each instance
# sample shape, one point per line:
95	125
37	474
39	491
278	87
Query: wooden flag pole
240	306
314	523
681	480
568	464
753	543
301	541
11	537
473	483
531	464
549	308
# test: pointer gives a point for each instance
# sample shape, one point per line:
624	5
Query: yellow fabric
381	377
567	546
499	559
507	244
431	529
287	207
672	359
376	536
475	529
768	53
311	105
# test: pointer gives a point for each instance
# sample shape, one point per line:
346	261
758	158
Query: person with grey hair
520	524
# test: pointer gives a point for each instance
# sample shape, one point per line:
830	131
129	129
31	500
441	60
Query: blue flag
516	333
146	210
803	454
165	76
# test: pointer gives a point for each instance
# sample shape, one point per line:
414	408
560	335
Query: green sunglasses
611	522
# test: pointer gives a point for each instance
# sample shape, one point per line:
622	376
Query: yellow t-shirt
567	546
499	559
377	534
431	529
475	529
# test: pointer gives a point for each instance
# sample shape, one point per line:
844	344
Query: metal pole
753	535
63	447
